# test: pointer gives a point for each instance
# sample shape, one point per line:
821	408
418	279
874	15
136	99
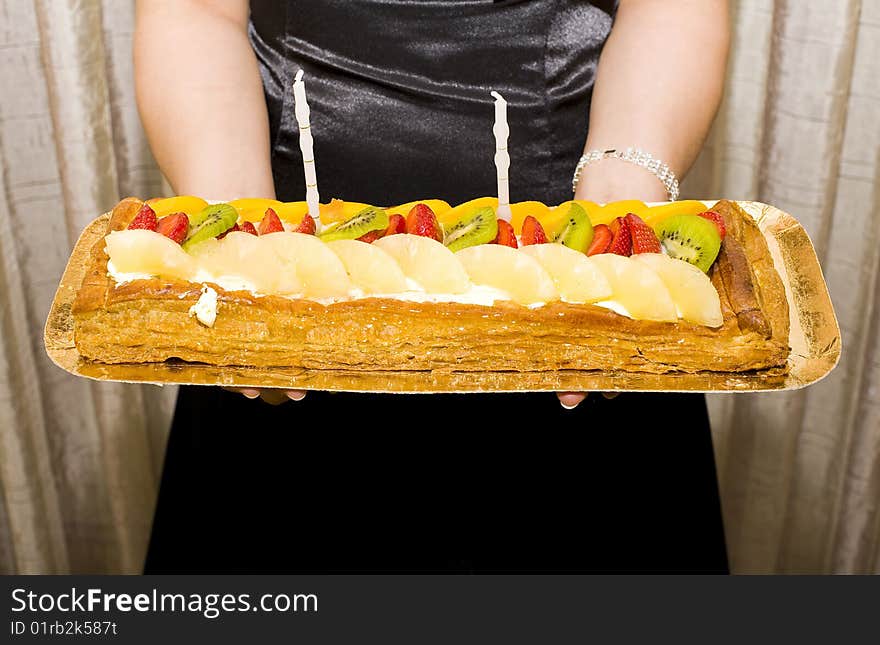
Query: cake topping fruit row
375	251
468	224
405	265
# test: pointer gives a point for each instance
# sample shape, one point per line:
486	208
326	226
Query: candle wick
298	77
497	96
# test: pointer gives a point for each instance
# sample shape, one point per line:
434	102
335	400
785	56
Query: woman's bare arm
201	101
658	86
200	97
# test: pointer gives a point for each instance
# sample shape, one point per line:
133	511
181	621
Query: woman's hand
611	180
272	396
225	153
655	89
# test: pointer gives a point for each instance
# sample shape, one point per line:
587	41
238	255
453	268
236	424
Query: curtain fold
799	128
80	460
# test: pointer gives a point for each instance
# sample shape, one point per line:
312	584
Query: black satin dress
400	109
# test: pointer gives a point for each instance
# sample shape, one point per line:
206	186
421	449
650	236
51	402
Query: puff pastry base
148	321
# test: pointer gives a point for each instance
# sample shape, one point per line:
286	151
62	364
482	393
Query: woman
399	94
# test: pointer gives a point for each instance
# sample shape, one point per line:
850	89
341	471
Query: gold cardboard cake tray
814	341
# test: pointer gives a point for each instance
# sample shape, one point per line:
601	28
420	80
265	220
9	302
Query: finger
570	400
274	397
296	395
610	395
249	392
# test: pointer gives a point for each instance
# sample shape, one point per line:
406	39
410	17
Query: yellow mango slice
454	214
252	209
656	214
437	205
292	211
521	210
609	212
180	204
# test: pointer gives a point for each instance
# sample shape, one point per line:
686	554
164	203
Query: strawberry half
422	221
247	227
270	223
602	237
174	226
372	236
532	232
145	219
718	219
307	225
396	224
506	236
621	244
644	240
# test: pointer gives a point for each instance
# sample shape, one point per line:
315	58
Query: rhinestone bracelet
633	155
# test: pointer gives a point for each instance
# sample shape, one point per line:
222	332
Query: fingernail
296	396
568	407
251	394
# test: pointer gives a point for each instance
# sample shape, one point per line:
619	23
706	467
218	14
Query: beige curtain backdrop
800	128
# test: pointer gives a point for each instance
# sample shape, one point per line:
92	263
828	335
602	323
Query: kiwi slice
477	227
365	220
690	238
210	222
576	231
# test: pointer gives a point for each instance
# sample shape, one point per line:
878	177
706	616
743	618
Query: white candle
306	145
502	158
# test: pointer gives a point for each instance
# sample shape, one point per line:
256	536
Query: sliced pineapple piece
148	252
690	288
240	262
505	268
576	277
637	288
427	262
369	267
322	273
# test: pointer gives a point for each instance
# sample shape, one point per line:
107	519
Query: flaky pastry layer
148	321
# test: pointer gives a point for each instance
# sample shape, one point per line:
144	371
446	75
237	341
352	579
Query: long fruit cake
425	286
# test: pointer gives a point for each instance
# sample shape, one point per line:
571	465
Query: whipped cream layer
475	295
